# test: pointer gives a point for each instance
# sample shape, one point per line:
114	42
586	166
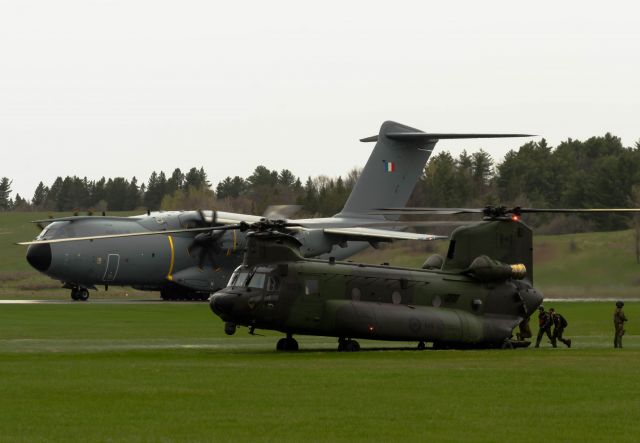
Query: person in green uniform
618	322
544	325
559	324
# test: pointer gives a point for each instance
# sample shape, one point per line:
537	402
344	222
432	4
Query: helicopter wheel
421	346
74	294
230	328
507	345
287	344
348	345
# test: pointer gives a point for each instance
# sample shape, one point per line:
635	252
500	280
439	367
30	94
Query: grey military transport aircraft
183	255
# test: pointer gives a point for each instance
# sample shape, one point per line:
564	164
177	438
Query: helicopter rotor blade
497	211
573	210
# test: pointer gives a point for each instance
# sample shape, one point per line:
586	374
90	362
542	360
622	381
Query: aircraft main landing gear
287	344
348	345
80	294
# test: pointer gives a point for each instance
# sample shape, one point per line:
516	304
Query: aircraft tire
230	329
74	294
83	294
349	346
287	345
421	346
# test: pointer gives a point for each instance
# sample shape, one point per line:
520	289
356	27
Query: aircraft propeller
207	242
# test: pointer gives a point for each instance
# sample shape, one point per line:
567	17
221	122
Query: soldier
618	321
559	323
544	323
524	330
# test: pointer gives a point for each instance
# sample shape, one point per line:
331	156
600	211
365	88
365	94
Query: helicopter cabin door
306	312
113	263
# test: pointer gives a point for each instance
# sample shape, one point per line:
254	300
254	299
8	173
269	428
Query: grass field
166	372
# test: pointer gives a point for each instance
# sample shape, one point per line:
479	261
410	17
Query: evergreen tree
231	187
174	183
116	191
40	195
132	197
196	179
5	194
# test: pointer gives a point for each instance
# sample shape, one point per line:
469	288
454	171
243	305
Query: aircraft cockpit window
51	229
257	280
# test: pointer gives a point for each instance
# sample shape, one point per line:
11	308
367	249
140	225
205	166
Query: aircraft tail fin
395	166
391	173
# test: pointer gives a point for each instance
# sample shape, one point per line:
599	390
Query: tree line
598	172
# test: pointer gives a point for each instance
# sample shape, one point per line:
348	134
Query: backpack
563	321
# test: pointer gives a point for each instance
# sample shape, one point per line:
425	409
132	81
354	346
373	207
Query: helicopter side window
310	287
272	283
257	280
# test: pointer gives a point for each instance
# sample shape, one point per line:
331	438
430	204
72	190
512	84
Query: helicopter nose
222	303
39	256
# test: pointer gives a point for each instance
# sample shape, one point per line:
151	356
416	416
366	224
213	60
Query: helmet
540	308
619	304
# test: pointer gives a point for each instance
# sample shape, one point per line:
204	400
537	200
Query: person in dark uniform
524	331
544	324
559	323
618	322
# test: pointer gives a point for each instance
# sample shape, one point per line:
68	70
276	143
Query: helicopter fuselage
348	300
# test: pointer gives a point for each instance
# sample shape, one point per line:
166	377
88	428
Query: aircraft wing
380	234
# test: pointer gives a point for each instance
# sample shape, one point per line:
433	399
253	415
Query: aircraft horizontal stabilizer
380	234
424	136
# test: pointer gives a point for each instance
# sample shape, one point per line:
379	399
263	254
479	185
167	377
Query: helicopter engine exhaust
484	268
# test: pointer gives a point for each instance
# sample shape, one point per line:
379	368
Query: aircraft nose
222	303
39	256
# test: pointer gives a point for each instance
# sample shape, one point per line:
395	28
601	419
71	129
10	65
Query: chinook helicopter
184	254
472	298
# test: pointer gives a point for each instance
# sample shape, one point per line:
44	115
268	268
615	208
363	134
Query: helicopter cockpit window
238	279
257	280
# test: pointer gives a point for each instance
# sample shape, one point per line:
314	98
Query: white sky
122	88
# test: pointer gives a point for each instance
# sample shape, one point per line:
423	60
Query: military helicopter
184	254
472	298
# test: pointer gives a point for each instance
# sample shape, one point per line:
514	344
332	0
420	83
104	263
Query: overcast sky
122	88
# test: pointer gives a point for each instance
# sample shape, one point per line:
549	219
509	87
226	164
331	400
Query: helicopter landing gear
287	344
422	346
80	294
230	328
348	345
507	344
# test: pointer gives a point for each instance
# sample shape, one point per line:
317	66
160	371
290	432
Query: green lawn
167	372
